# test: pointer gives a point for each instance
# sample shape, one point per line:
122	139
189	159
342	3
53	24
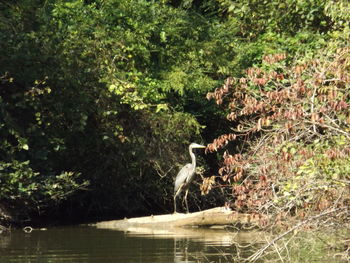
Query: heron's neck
193	157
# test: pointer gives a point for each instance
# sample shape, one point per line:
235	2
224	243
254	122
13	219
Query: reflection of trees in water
187	250
181	250
73	243
28	243
5	239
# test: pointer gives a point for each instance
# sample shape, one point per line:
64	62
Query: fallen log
214	217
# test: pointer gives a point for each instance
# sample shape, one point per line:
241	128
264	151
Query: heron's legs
174	203
186	201
175	195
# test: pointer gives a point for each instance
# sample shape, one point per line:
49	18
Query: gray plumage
186	176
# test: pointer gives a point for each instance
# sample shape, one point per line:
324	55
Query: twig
332	128
159	169
279	254
312	106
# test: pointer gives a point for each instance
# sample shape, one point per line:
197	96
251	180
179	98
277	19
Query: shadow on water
88	244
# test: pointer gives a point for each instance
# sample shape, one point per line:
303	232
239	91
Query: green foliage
326	169
36	185
112	91
20	184
90	100
327	162
17	181
255	17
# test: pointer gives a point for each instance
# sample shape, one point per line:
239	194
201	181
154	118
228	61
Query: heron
186	176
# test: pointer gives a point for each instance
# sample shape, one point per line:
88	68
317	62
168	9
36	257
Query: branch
159	169
332	128
257	254
312	106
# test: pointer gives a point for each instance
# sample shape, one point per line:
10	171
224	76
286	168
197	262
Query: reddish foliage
300	102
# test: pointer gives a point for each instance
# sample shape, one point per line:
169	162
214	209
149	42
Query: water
89	244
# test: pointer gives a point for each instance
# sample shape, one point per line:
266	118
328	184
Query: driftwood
208	225
214	218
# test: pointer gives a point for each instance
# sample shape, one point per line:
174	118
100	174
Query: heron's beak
201	146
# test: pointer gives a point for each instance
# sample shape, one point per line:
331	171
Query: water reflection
88	244
188	251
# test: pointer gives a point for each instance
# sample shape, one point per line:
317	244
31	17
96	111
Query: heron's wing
181	177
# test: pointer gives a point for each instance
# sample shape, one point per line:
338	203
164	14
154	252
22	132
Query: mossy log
215	217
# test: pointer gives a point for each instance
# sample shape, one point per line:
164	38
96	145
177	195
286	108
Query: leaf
161	107
25	147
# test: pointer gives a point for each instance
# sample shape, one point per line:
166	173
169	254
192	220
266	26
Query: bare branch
261	251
